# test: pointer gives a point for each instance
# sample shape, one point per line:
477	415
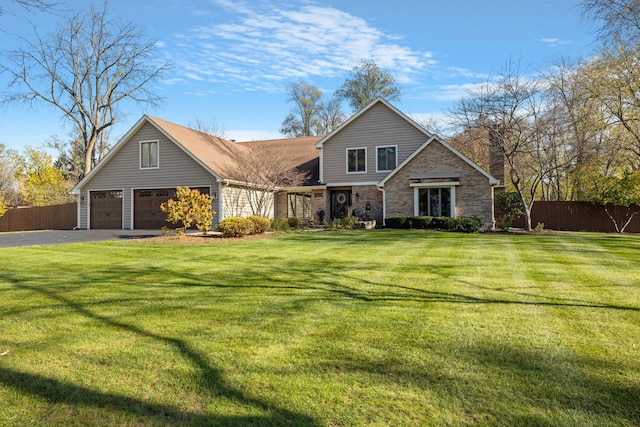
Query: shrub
3	205
421	222
260	224
190	207
462	224
235	227
294	222
539	228
509	207
399	222
442	223
467	224
280	224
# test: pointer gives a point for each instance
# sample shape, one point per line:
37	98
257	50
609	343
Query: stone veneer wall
474	194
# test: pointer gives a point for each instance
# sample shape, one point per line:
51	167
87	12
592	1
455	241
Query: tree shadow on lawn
210	381
511	383
328	277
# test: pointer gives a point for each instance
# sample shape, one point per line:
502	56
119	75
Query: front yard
324	329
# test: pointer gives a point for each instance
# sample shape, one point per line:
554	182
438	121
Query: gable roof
217	155
492	180
367	108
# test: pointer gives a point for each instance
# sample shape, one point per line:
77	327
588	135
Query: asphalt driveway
54	237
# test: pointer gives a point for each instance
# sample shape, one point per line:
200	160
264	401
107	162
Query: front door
340	203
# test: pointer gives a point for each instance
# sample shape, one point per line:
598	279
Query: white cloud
264	42
552	41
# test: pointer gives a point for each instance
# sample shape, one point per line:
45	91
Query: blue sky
233	59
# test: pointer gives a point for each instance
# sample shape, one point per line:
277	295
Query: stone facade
473	195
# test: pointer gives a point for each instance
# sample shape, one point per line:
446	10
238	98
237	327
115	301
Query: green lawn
324	329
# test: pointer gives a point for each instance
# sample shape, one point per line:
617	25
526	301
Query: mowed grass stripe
335	328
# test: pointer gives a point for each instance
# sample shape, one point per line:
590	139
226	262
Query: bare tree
512	113
617	21
329	117
306	101
31	5
88	70
262	172
209	126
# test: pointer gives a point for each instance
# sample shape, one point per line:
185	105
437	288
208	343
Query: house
377	164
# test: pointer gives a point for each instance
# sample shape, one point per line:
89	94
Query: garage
147	214
106	209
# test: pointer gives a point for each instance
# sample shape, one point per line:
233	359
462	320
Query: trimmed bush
399	222
235	227
280	224
294	222
461	224
260	224
467	224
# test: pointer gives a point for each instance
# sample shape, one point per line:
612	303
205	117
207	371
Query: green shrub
508	207
399	222
235	227
461	224
539	228
280	224
421	222
467	224
294	222
260	224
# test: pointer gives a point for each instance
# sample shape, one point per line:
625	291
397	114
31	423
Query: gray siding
379	126
122	172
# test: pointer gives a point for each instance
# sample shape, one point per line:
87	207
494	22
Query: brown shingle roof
220	155
302	153
216	153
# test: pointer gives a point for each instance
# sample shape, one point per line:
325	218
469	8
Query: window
386	158
435	201
356	160
148	154
299	205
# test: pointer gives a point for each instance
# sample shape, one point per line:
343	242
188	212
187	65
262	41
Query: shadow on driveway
55	237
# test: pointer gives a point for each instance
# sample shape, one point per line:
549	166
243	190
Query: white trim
452	198
378	166
321	177
435	184
347	160
350	184
140	167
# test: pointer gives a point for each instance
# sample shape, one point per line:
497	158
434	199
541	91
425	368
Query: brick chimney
496	158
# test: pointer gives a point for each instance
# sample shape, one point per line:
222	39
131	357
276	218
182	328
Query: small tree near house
190	207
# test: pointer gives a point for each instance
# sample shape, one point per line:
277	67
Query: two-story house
379	163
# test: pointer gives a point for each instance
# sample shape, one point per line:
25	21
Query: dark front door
340	203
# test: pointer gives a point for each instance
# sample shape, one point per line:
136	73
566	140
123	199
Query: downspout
384	204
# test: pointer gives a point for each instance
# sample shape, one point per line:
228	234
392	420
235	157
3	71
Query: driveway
55	237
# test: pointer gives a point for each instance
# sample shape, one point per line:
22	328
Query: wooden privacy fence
57	217
579	216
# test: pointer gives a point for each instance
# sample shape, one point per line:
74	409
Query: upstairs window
148	154
356	160
387	159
